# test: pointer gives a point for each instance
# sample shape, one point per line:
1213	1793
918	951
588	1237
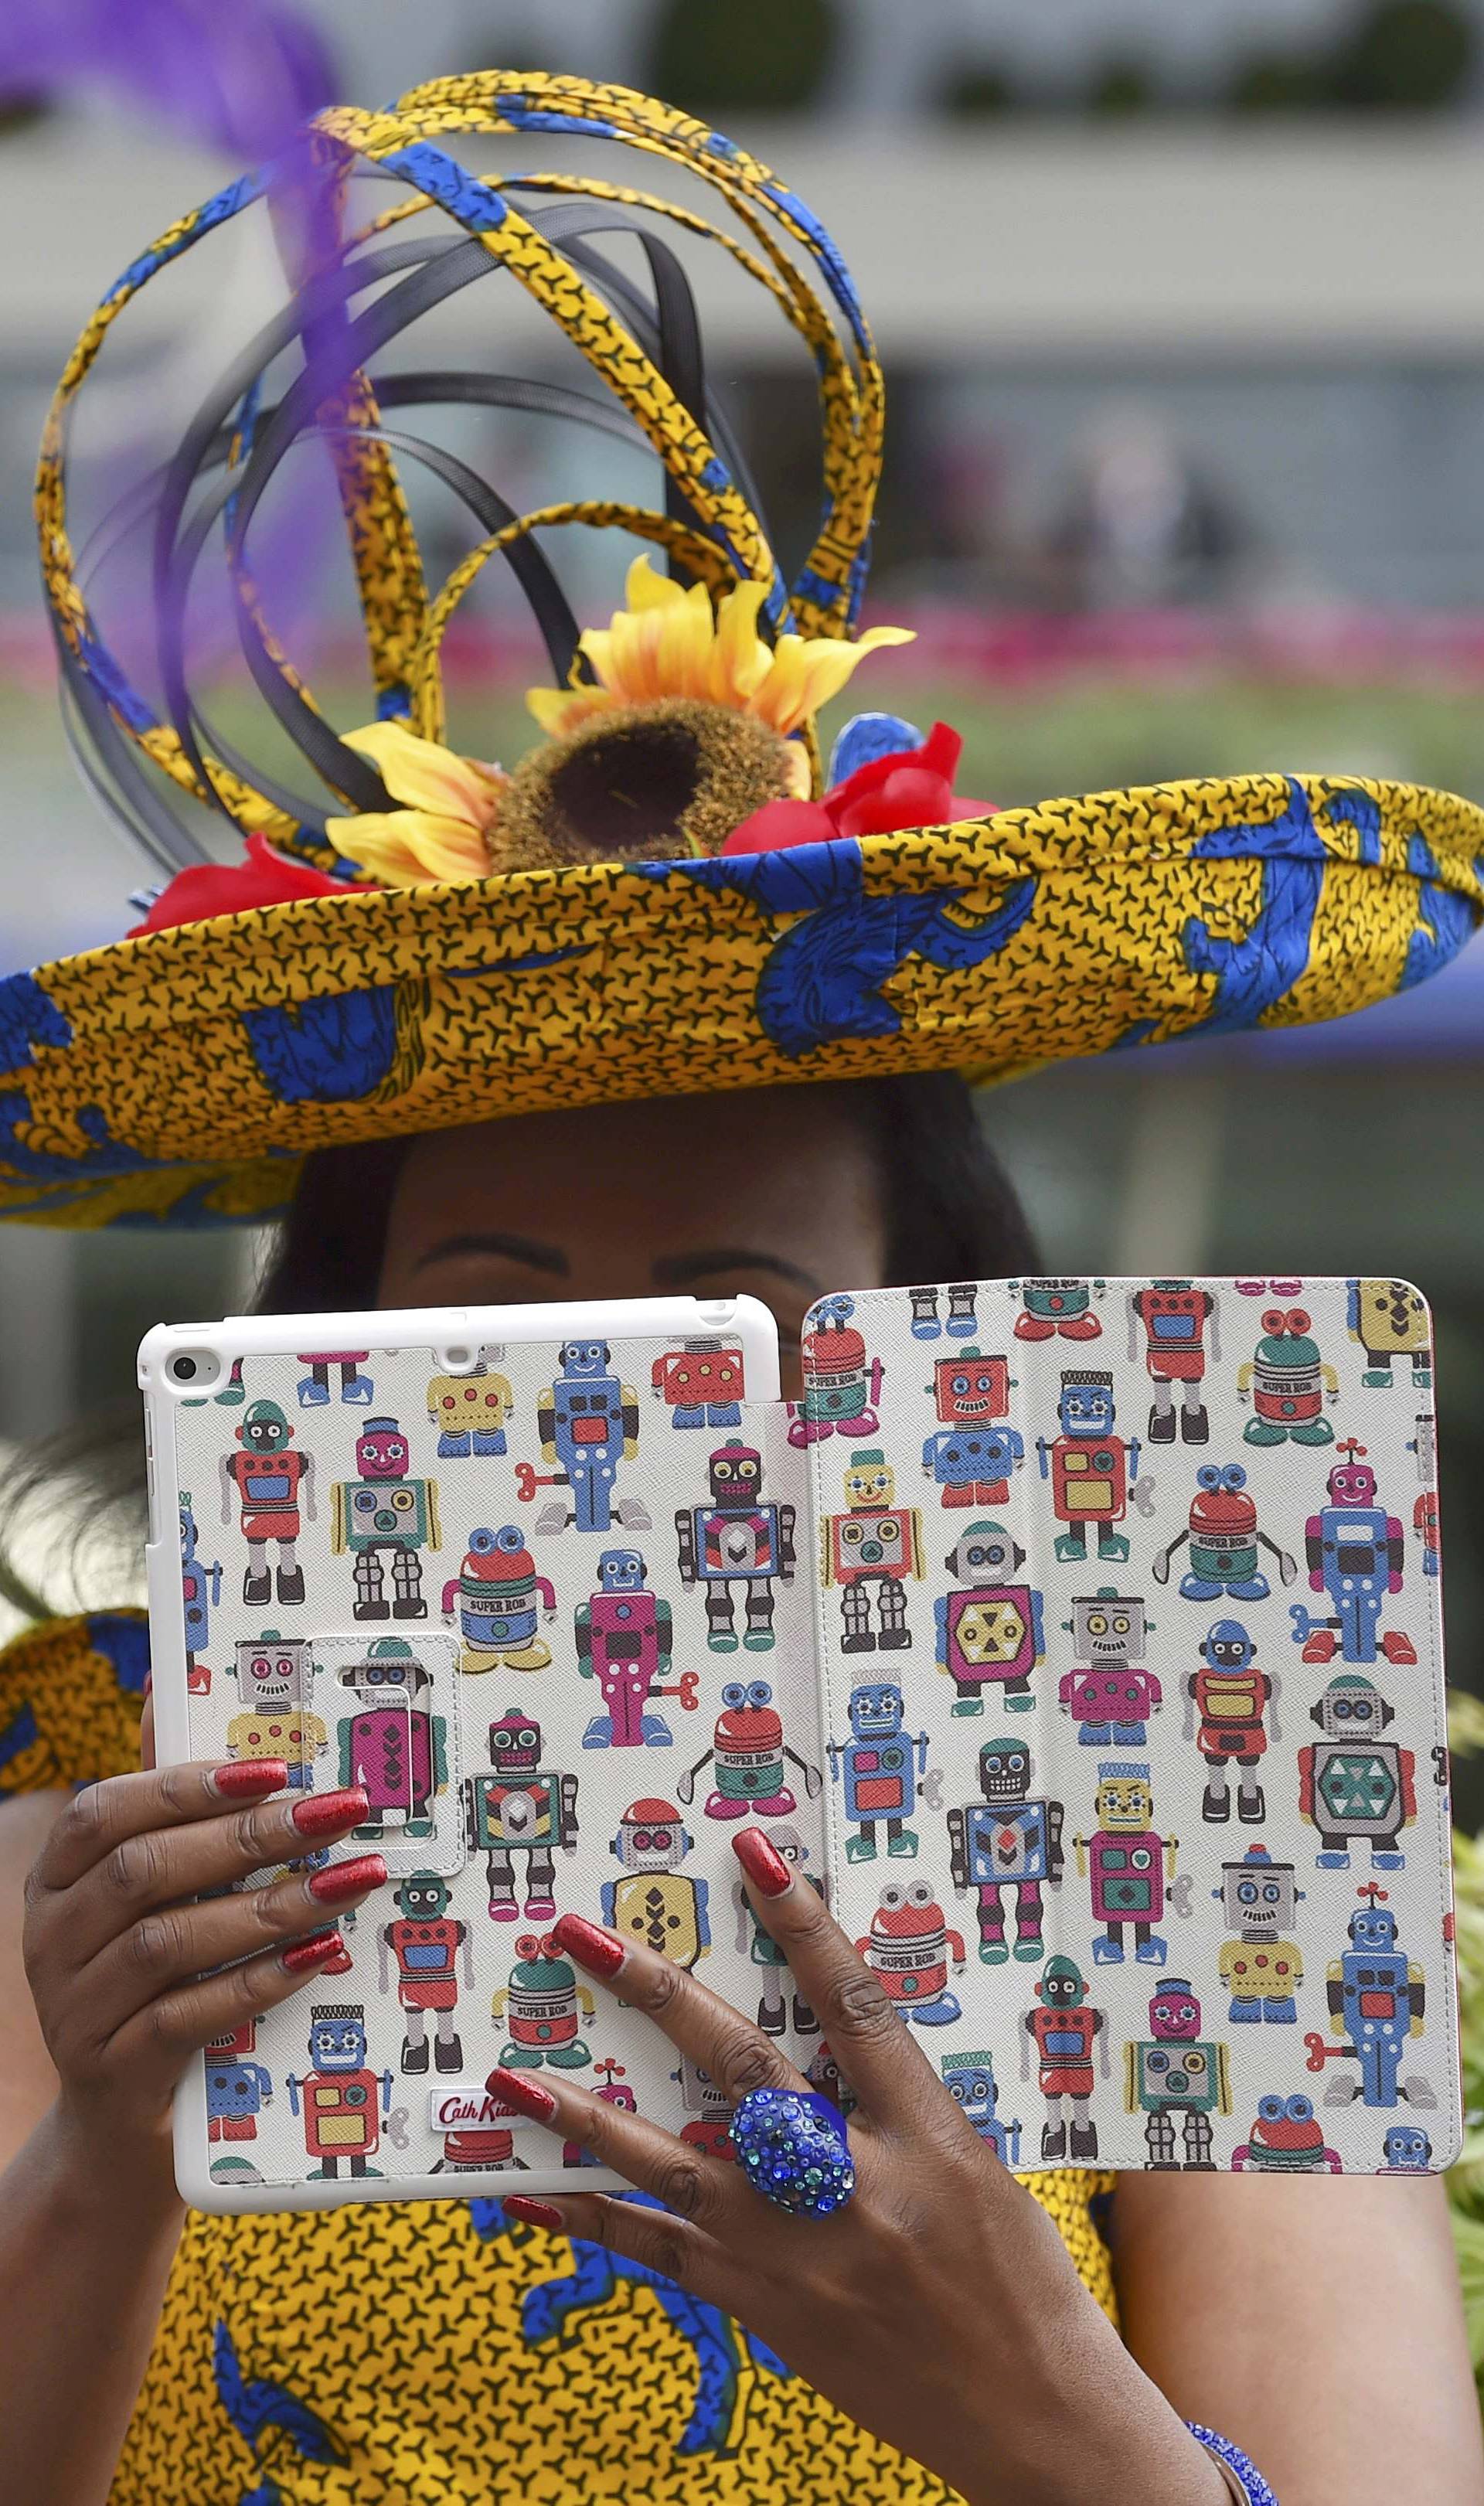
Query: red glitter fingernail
249	1777
762	1862
537	2214
311	1952
527	2096
599	1951
341	1880
321	1814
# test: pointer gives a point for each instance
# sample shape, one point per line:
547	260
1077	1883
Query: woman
660	905
939	2314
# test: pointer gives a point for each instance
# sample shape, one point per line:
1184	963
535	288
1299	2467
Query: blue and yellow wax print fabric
437	2350
179	1076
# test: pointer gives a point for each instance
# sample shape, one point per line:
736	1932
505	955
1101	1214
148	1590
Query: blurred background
1182	316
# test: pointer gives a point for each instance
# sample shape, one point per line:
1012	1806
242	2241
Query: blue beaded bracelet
1250	2483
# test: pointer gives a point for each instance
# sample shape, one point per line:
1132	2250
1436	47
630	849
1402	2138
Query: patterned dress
434	2353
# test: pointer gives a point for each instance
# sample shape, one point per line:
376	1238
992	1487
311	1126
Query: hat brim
179	1077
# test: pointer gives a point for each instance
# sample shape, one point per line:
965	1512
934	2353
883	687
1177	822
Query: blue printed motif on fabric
112	685
1252	974
28	1017
530	116
327	1049
823	979
1448	920
444	179
215	212
106	1156
124	1643
723	2348
832	260
279	2428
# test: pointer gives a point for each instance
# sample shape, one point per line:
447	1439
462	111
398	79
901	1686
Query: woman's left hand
939	2307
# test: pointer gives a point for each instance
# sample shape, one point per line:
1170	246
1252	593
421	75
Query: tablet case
1079	1639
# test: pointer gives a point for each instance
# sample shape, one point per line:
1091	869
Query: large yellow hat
667	894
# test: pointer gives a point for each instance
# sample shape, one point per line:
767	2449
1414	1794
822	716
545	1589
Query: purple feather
237	75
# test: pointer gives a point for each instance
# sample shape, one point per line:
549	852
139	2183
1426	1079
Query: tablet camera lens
184	1370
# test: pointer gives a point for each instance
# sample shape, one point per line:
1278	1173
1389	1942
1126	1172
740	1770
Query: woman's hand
939	2307
118	1958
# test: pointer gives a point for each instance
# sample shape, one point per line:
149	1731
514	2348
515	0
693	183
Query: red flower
912	787
264	878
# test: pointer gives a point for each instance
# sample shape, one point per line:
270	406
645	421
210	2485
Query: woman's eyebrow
677	1269
505	1248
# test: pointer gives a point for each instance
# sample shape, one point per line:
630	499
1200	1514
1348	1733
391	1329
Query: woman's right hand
118	1958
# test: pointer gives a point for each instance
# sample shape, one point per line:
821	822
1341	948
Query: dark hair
951	1213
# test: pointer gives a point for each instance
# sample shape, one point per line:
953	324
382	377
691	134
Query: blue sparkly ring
791	2148
1246	2480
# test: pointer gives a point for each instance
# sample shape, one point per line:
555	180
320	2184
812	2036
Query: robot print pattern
1076	1639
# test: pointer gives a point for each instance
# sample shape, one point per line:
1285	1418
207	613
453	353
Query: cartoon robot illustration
1067	2036
710	2109
200	1591
1224	1537
428	1945
1287	1383
874	1548
1354	1785
702	1383
1057	1309
1261	1966
1093	1472
1132	1867
273	1682
970	2080
842	1387
472	2148
1391	1323
959	1324
342	2101
765	1952
237	2089
542	2006
1287	2138
969	1457
1405	2150
1009	1840
588	1423
357	1390
655	1901
392	1745
1176	2072
499	1596
1378	2000
738	1541
521	1809
1424	1446
880	1767
383	1516
1171	1318
1108	1692
1426	1526
750	1757
623	1638
1357	1555
910	1950
990	1635
272	1488
613	2090
471	1409
1225	1706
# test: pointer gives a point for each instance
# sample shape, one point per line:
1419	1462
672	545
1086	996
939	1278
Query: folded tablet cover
1080	1639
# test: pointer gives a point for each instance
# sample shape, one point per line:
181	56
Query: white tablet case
1127	1771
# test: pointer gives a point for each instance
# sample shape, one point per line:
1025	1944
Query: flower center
618	793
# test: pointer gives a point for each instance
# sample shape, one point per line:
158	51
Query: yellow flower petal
426	775
807	672
408	848
740	660
644	588
559	710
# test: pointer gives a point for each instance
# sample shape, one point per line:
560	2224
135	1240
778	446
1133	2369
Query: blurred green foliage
772	57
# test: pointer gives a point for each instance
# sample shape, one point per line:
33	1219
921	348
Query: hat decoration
666	893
